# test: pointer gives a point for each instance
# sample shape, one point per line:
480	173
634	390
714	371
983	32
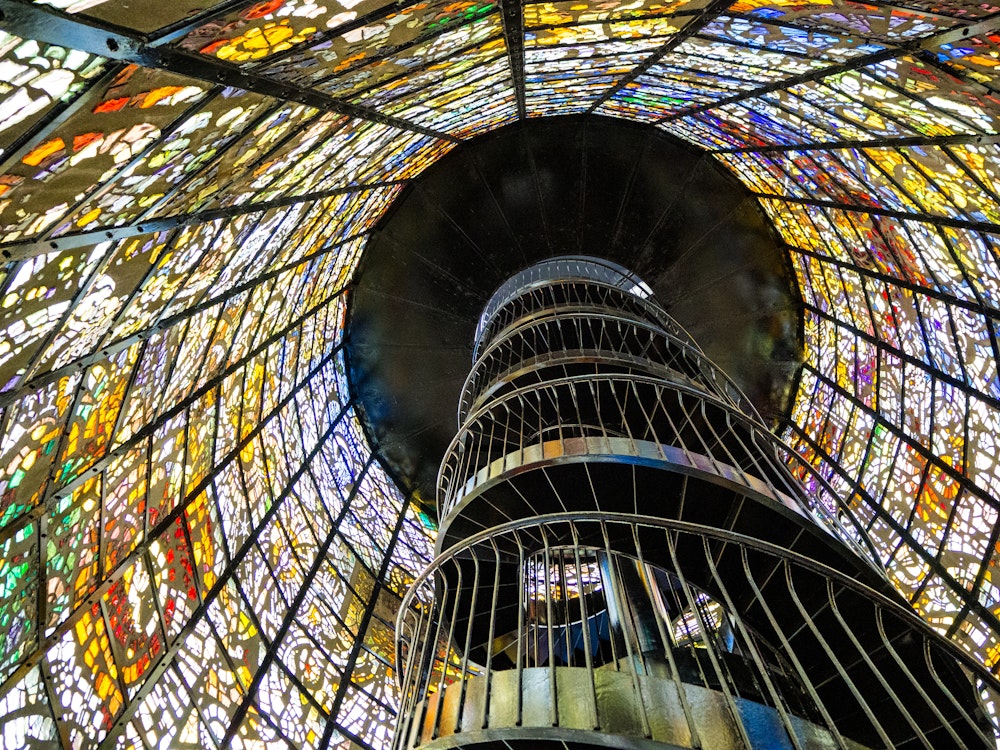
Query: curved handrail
564	267
715	533
724	385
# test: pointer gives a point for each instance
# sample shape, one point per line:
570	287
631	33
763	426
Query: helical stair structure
628	558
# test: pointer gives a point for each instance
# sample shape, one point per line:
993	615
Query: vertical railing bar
506	435
673	425
432	649
713	657
701	406
913	681
831	596
422	676
566	606
585	623
608	587
668	644
464	677
488	674
521	634
681	607
446	660
755	655
807	617
533	620
790	652
404	675
410	678
550	640
933	670
620	595
737	463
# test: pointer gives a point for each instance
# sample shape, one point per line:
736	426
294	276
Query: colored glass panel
185	490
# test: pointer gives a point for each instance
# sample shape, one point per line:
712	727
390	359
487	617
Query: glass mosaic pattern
197	548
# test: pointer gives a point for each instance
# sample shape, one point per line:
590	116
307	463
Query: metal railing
691	625
581	332
568	292
638	419
628	557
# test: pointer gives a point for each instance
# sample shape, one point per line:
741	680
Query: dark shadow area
537	189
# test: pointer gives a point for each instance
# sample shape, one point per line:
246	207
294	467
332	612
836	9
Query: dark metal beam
360	742
813	75
512	16
166	36
944	377
962	74
59	112
919	140
695	25
169	322
910	10
948	299
32	248
95	192
366	619
448	78
944	221
54	493
293	607
912	47
386	53
27	20
890	178
230	573
167	520
180	29
969	598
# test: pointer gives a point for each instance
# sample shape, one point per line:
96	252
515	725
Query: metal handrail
938	706
722	384
585	396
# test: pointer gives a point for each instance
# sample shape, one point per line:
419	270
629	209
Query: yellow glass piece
261	41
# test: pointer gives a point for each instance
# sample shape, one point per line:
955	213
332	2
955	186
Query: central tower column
629	558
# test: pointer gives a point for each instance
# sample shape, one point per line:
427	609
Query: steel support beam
369	613
58	113
912	47
169	322
177	31
31	21
695	25
968	598
23	250
54	493
944	221
512	16
167	520
919	140
230	573
909	359
948	299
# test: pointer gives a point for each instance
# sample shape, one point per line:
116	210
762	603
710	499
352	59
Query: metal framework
625	558
182	207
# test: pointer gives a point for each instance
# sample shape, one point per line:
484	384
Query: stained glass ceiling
197	546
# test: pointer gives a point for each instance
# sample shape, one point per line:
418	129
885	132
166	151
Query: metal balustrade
614	624
628	557
558	294
548	274
577	335
632	419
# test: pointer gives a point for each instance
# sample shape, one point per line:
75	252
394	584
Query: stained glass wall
197	547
